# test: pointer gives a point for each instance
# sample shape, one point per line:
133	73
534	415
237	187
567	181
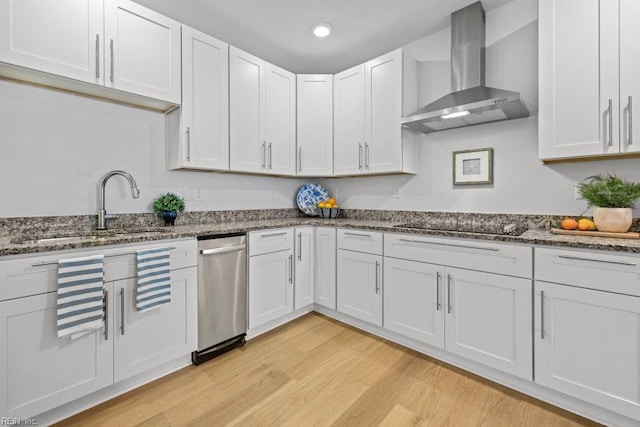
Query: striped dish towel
80	295
153	288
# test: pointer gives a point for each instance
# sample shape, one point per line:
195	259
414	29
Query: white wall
56	146
522	184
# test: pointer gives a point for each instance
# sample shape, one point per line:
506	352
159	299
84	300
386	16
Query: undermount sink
83	236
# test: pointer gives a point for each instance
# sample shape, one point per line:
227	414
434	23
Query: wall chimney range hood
471	102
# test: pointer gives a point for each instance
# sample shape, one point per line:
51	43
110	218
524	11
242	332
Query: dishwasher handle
222	249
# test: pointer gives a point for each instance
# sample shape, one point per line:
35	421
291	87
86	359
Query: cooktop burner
497	229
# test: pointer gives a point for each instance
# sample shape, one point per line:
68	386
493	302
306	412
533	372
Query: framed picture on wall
473	167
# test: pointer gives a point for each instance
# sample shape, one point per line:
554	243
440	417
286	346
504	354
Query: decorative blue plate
309	196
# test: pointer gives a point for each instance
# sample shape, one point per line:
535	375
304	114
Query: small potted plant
168	206
612	199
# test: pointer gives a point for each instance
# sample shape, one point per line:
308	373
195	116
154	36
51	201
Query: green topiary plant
167	203
609	191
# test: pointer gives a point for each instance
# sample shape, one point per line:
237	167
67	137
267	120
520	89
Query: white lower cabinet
38	370
153	337
413	300
360	285
304	267
325	271
587	345
270	286
489	320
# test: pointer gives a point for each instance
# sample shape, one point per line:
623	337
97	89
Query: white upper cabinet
262	115
281	121
142	51
315	124
589	58
63	37
112	43
203	140
370	100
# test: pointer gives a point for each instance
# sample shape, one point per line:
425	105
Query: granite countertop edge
530	237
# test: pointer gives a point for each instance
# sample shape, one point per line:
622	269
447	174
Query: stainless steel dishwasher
222	295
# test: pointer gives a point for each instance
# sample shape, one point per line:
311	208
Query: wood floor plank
316	371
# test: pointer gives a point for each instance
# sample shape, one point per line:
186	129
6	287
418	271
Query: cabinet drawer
491	257
360	240
38	274
264	242
595	270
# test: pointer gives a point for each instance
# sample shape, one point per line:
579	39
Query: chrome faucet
102	212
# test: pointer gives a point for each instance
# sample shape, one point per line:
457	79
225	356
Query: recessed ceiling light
321	29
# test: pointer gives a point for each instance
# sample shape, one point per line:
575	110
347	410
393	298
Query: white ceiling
279	31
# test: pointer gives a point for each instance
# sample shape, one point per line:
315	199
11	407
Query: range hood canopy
471	102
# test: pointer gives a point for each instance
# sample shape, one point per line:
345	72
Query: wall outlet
184	193
198	194
397	192
576	192
272	194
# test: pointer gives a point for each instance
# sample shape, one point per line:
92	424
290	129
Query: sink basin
83	236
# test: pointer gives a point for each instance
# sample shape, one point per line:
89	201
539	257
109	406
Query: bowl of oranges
328	209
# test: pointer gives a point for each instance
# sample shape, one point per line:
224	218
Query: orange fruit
569	224
586	224
322	204
332	200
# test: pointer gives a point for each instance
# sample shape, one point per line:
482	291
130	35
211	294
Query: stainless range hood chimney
471	102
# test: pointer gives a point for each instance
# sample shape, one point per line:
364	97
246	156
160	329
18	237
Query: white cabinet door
281	121
315	124
247	107
270	287
205	101
325	271
348	120
383	110
142	51
304	268
360	286
148	339
64	37
413	300
587	345
578	69
38	370
629	72
489	320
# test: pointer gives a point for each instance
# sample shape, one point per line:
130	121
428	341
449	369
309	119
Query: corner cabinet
315	124
369	101
304	267
114	44
325	271
589	57
262	100
198	133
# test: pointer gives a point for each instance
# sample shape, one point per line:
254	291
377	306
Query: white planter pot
616	220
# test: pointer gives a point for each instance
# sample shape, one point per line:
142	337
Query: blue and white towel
154	279
80	295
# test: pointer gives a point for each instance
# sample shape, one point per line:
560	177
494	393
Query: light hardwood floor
317	371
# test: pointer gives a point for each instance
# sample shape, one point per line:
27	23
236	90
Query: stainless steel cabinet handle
290	268
542	315
41	264
300	159
97	56
631	264
360	156
270	157
451	244
224	249
264	154
438	291
610	122
111	48
630	109
299	246
377	277
273	234
448	293
366	155
348	233
106	315
121	311
188	144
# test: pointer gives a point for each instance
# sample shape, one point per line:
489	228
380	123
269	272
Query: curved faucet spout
102	211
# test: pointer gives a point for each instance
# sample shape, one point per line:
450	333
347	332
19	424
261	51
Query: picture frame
473	167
